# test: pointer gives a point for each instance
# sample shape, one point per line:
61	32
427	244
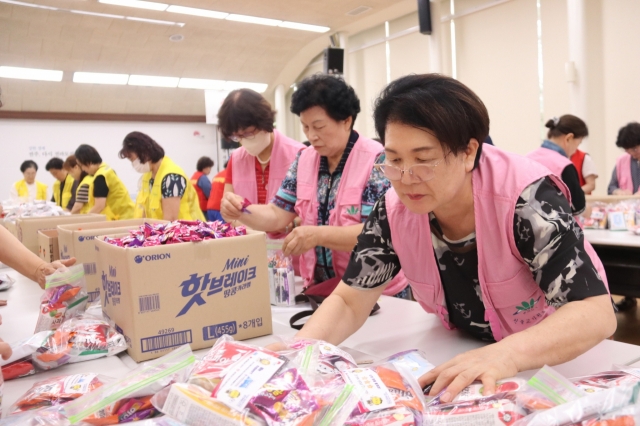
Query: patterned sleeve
377	186
373	262
287	195
552	243
173	185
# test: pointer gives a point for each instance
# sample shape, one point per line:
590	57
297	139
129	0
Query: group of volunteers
482	238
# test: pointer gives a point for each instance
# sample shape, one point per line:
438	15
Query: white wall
40	140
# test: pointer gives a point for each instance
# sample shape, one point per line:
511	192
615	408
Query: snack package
6	282
79	339
499	410
57	391
44	417
386	391
607	379
19	364
476	390
179	231
281	275
413	360
589	407
130	397
65	296
598	217
627	416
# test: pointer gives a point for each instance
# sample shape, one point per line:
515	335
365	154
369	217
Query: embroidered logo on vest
526	306
353	210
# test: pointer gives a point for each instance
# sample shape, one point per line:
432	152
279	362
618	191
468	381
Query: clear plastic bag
78	339
413	360
281	275
19	364
58	390
621	376
130	397
65	296
6	282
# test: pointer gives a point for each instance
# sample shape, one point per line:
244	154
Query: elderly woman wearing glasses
485	238
331	186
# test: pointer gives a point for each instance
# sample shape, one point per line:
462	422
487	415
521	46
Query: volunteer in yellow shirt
64	188
165	191
28	190
110	196
84	193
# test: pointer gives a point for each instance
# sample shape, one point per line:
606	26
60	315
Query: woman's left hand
488	365
49	268
300	240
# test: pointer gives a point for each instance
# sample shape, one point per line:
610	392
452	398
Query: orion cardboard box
165	296
78	240
28	227
48	245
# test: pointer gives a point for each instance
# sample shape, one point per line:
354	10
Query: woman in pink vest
255	170
563	138
332	185
485	238
625	179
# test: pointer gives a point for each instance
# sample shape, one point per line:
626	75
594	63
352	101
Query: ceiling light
141	4
197	12
154	81
304	27
102	15
100	78
30	74
154	21
38	6
254	20
201	83
233	85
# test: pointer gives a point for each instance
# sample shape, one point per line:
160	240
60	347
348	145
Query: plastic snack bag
19	364
607	379
58	390
413	360
79	339
44	417
105	403
6	282
499	410
65	296
281	275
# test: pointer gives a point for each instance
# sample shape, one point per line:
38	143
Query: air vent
359	11
176	38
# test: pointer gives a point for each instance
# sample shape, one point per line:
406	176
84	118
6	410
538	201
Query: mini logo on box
234	277
88	238
152	257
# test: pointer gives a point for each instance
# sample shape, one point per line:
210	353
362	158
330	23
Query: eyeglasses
248	136
422	172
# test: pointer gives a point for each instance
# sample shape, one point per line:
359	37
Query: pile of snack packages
307	382
13	210
621	216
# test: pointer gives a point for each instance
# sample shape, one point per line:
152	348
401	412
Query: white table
399	325
604	237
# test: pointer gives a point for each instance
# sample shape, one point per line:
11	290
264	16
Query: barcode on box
90	268
149	303
156	343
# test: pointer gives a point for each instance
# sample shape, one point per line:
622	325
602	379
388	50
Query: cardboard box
165	296
28	227
78	240
11	227
48	245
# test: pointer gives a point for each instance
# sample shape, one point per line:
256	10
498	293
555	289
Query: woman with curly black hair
165	192
625	179
332	185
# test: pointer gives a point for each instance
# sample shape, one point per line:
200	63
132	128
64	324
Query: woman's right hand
231	206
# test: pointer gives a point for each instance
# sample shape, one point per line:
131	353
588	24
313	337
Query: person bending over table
485	238
331	185
15	255
65	186
625	179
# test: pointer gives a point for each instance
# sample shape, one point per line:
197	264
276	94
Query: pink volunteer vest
552	160
347	205
623	171
244	172
505	279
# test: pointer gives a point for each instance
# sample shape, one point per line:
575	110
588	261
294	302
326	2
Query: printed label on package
246	379
374	395
78	383
414	363
211	332
234	277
